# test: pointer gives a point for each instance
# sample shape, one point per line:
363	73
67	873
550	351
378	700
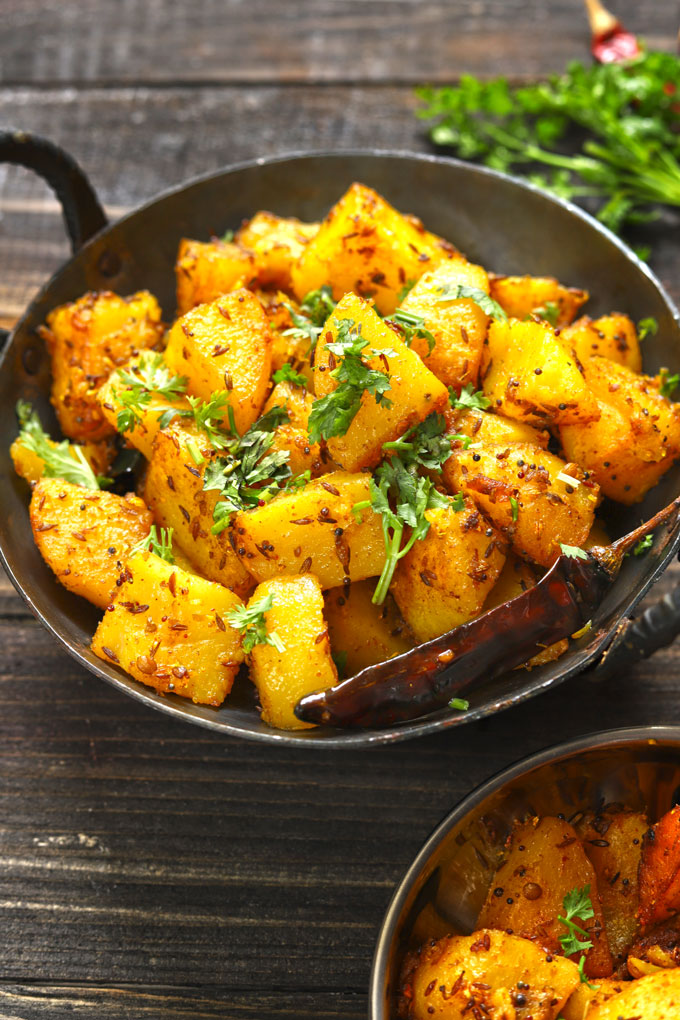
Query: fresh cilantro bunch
150	377
402	496
251	622
61	460
314	310
333	414
247	475
577	903
627	113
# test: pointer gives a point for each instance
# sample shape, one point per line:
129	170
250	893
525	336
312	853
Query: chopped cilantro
149	377
60	460
577	903
461	704
667	383
468	397
159	542
515	508
644	545
647	327
411	325
288	374
550	311
574	552
453	292
250	620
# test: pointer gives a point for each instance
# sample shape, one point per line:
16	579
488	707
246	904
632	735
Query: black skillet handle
83	214
637	639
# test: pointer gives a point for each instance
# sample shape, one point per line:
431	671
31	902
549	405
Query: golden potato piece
85	537
304	665
414	391
87	340
361	633
489	974
522	296
544	861
587	996
276	244
292	435
529	374
458	325
366	246
313	530
655	997
167	629
445	578
225	345
612	336
486	427
206	270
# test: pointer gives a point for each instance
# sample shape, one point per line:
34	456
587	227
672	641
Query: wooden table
150	869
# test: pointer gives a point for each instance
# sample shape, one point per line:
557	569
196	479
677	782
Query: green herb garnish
227	237
468	397
550	311
250	621
288	374
60	460
208	416
405	290
411	325
574	551
644	545
150	377
515	508
425	444
647	327
461	704
452	292
159	542
315	309
577	903
667	383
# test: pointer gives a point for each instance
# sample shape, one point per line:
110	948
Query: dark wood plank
303	40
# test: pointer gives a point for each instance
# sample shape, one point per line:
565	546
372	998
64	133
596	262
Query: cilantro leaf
452	292
315	309
409	325
514	505
461	704
149	377
574	552
250	620
60	459
647	327
288	374
577	903
468	397
667	383
550	311
644	545
425	444
160	544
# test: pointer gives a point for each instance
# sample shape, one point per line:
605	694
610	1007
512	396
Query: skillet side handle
83	214
639	638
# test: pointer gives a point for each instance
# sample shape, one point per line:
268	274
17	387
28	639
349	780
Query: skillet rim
319	737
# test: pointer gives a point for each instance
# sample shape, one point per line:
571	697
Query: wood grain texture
79	41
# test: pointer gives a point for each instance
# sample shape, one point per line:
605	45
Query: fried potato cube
144	431
313	530
530	375
612	840
636	439
276	244
486	427
655	997
544	861
167	628
361	633
446	576
85	537
414	391
364	245
292	435
660	870
305	664
533	498
206	270
87	339
486	968
611	336
516	577
225	345
458	325
522	296
174	491
588	996
31	466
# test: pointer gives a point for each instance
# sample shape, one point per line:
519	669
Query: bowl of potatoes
296	432
550	892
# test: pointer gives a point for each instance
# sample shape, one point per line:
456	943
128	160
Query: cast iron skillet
447	883
507	225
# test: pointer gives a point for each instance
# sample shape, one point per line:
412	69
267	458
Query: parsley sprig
248	475
61	460
150	377
577	903
251	622
630	158
333	414
159	542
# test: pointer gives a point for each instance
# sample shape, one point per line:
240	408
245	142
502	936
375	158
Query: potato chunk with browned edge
313	530
87	340
522	296
655	997
458	325
414	391
361	632
167	629
364	245
304	665
445	578
85	537
174	491
225	345
611	336
636	439
276	244
487	974
205	270
544	861
529	374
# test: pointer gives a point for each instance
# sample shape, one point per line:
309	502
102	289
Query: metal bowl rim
600	740
417	727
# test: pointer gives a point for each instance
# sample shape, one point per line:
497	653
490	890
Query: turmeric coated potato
85	537
587	995
292	435
362	633
87	340
206	270
302	663
522	296
276	244
487	974
611	336
166	627
655	997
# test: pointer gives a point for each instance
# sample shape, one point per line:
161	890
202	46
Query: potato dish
350	440
580	922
